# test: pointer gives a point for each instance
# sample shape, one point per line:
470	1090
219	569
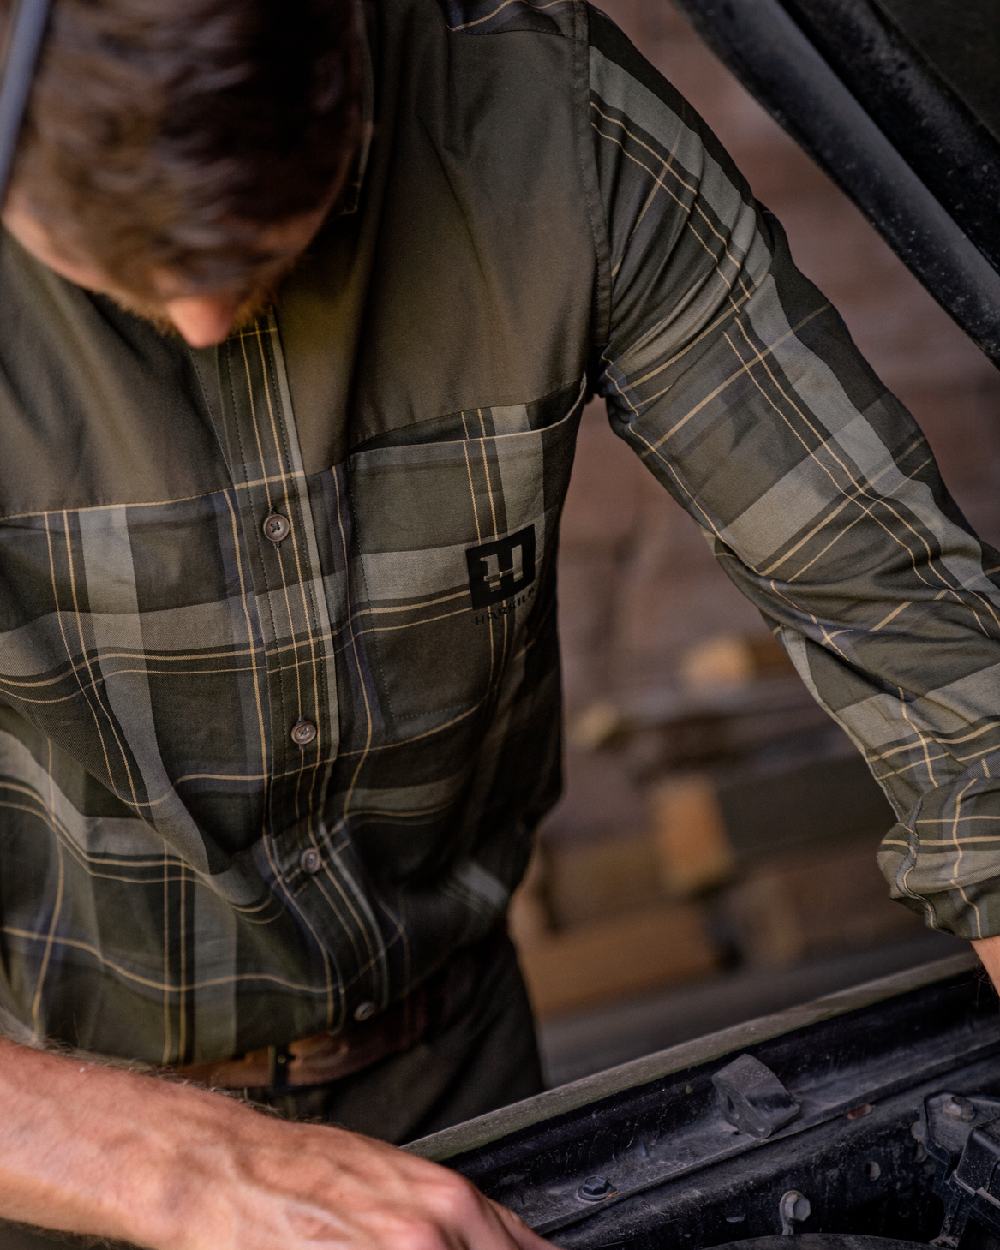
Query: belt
326	1057
321	1057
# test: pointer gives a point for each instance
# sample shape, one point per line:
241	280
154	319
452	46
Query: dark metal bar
24	44
769	51
955	155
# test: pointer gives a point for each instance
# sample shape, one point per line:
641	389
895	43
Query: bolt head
958	1108
595	1189
795	1207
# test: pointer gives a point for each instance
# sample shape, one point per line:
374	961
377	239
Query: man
299	318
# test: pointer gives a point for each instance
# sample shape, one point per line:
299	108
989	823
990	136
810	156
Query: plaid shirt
278	657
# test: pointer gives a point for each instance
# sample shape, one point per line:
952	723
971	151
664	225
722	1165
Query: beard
248	311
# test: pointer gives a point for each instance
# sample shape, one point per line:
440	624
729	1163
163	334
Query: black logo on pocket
502	569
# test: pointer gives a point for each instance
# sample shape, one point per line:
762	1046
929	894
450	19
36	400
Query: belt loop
279	1059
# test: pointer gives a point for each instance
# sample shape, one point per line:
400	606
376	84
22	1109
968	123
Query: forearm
98	1150
988	950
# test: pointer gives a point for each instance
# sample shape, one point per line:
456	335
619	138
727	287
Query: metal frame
909	154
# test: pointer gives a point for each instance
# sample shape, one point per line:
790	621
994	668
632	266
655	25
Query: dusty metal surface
813	1120
530	1114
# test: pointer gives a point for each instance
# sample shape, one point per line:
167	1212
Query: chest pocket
456	529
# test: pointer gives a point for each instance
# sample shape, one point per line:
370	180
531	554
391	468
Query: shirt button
277	527
364	1011
303	732
311	860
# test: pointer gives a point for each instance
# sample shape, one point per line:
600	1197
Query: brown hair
162	135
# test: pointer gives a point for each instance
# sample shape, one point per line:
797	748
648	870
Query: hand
988	950
276	1185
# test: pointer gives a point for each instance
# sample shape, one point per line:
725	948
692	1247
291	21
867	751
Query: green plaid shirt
279	689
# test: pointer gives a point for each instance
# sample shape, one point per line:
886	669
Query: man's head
180	155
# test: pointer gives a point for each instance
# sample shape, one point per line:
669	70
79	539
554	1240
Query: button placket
288	574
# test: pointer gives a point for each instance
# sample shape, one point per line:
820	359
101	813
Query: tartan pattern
489	17
739	387
181	881
168	912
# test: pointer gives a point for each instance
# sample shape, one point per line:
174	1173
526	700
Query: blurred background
714	856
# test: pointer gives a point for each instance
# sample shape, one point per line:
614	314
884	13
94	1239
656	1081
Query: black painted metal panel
660	1154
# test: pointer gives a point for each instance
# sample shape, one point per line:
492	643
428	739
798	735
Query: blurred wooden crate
819	901
710	827
599	879
764	850
615	958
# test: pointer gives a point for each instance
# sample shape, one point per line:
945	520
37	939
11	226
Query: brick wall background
639	587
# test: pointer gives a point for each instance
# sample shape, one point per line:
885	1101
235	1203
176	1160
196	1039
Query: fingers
522	1236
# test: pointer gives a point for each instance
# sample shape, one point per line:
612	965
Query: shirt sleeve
739	387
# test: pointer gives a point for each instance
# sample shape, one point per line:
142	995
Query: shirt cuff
953	883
